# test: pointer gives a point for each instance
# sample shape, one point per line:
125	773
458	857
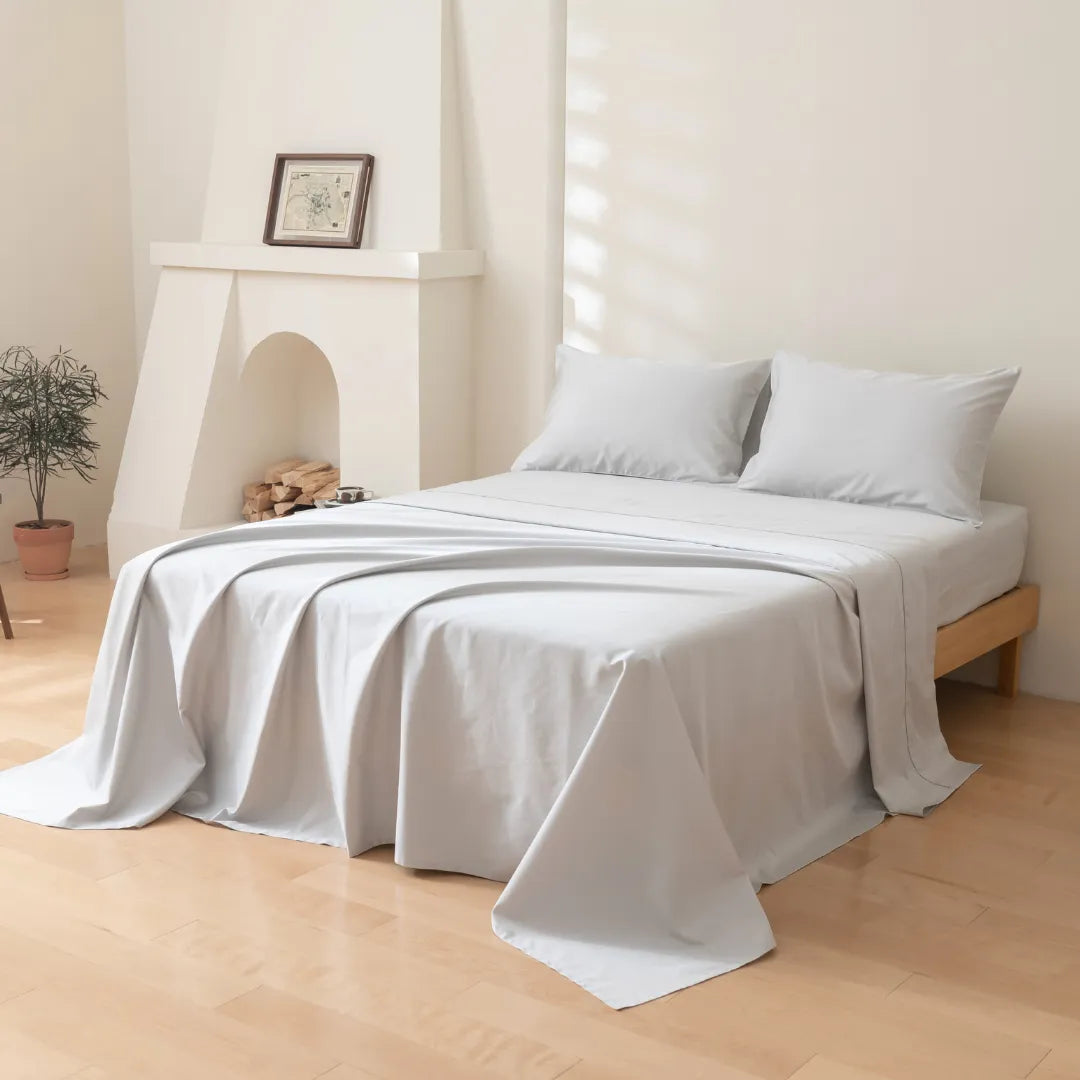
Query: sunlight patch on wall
589	305
584	97
584	203
585	151
583	255
636	257
583	43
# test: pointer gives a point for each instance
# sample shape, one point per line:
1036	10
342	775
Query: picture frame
318	200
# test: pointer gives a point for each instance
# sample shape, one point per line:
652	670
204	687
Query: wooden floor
946	947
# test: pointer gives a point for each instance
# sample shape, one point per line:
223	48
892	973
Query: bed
633	700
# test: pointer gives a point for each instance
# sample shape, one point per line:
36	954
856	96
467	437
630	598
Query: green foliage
44	422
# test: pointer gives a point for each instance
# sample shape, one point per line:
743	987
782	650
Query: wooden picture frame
318	200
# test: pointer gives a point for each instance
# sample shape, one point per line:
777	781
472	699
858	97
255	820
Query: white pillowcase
634	417
884	437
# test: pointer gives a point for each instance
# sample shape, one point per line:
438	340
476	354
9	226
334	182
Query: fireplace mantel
394	326
352	262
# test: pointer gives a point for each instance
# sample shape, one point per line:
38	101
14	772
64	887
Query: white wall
511	59
216	88
887	184
173	52
331	76
65	262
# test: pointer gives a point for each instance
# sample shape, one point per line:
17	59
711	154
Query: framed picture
318	200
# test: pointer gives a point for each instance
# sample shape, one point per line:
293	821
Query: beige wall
65	265
887	184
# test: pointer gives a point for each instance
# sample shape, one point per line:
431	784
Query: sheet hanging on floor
568	700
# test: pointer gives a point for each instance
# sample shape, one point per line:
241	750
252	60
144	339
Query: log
294	477
317	481
275	472
289	485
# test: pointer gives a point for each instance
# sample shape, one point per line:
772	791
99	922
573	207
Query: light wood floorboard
945	947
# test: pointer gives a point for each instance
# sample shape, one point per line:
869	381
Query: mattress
974	564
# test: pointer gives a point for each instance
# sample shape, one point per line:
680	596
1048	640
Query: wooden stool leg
4	620
1009	654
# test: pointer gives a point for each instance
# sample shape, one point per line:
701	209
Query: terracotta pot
44	552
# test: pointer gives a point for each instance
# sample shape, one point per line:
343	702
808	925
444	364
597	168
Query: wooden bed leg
1008	684
4	620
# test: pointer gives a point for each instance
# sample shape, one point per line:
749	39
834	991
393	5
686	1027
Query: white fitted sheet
974	564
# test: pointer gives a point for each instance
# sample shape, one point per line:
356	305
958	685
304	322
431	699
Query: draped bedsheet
632	718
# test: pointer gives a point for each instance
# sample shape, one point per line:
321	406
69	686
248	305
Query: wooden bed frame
997	625
5	622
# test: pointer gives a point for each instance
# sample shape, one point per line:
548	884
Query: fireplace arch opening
279	401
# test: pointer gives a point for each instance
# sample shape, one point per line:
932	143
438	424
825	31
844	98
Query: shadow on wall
278	402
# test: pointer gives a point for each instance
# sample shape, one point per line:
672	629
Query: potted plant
45	431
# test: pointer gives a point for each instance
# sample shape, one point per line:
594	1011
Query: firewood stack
289	486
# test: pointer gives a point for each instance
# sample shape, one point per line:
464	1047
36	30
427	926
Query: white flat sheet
634	719
974	564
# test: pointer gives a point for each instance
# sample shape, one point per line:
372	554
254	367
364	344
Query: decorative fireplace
394	329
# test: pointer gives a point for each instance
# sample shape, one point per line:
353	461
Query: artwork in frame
318	200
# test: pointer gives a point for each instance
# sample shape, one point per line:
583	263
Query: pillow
883	437
634	417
